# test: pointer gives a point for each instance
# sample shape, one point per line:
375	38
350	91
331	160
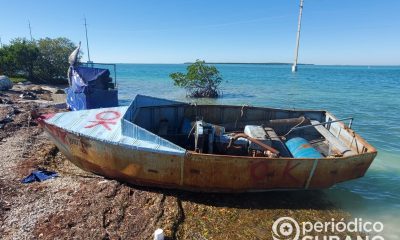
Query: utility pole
296	53
30	29
1	43
87	42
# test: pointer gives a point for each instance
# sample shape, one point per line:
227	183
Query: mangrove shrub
201	80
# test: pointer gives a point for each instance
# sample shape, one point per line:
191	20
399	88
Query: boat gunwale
189	152
240	106
371	149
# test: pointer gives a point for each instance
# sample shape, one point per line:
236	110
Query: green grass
17	79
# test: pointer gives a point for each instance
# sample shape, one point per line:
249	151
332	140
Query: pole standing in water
296	54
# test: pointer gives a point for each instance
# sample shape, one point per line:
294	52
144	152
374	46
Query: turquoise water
369	94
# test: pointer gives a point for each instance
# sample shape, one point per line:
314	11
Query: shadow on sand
296	199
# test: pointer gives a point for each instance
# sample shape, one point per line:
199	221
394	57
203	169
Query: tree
19	58
45	60
201	80
7	66
52	63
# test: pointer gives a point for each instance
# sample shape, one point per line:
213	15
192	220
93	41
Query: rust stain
57	133
306	145
194	171
131	169
259	170
288	169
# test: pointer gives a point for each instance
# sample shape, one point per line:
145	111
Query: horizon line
257	63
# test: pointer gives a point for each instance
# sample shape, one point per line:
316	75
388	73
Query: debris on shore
78	204
5	83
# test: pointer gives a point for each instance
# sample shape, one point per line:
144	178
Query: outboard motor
204	137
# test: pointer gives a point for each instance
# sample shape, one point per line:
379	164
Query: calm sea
369	94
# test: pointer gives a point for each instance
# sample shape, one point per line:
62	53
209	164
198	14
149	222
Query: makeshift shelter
90	88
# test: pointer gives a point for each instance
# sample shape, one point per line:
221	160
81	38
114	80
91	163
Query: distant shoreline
250	63
247	63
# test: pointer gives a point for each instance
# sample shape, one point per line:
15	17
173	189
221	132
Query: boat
211	148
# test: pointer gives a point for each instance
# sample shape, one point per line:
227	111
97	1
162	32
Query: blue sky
365	32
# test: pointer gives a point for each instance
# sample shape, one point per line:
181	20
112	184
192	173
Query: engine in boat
254	132
256	141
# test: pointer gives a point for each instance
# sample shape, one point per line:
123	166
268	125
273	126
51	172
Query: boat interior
249	131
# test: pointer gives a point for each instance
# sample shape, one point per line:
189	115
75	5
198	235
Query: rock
5	120
28	95
5	83
5	101
36	89
59	91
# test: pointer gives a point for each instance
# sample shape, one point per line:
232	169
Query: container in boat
301	148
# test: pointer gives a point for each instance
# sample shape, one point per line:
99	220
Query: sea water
370	94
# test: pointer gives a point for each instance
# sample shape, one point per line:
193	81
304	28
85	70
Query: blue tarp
95	99
91	74
87	79
91	89
39	176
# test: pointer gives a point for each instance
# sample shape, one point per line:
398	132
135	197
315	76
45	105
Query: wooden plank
333	141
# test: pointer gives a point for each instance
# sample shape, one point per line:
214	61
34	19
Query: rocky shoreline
82	205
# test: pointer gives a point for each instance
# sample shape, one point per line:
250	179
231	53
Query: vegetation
18	79
44	60
18	58
201	80
53	60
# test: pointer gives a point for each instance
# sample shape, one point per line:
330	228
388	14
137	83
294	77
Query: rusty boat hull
120	143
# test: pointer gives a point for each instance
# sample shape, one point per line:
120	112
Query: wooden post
296	53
